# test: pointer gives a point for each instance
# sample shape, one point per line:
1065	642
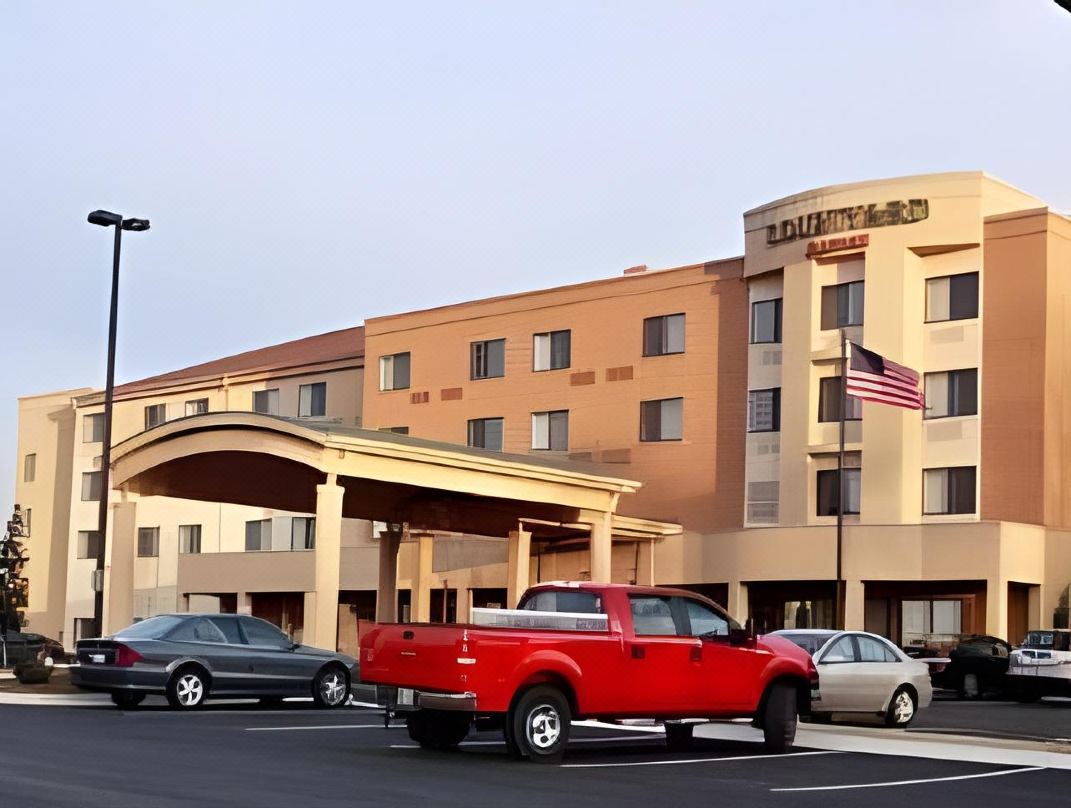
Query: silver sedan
860	672
189	657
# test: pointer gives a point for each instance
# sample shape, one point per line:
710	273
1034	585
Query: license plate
96	659
405	696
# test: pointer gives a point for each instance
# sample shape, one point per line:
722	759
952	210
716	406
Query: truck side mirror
739	636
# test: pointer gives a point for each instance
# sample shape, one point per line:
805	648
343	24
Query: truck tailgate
429	657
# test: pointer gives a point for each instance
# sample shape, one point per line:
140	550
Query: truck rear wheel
678	736
538	724
779	719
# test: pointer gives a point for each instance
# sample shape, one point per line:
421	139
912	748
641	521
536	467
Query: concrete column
324	622
387	592
517	566
737	605
420	609
243	603
645	566
308	626
464	604
119	567
1035	609
854	605
996	609
601	549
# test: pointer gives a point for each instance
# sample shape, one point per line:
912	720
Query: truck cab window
652	616
558	601
704	621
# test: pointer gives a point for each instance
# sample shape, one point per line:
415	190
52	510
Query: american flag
872	377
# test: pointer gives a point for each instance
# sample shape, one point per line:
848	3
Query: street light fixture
106	218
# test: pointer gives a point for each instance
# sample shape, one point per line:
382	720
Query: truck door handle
697	653
407	635
639	652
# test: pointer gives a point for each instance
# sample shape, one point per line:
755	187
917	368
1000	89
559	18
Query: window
266	401
764	410
921	618
303	533
258	535
29	468
486	433
93	428
198	406
829	399
766	321
952	392
949	490
872	650
189	539
551	350
394	372
312	400
704	620
148	542
155	414
550	430
559	601
952	298
228	626
828	495
198	629
489	359
842	305
663	335
652	616
261	632
88	543
84	627
397	430
91	486
662	419
842	651
26	521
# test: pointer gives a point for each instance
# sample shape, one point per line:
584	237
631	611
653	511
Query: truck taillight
125	656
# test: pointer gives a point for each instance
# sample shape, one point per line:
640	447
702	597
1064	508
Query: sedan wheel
901	709
330	688
187	689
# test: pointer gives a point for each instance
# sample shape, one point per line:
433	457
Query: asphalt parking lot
245	755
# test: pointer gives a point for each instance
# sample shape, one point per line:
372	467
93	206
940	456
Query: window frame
550	435
312	388
482	423
154	533
839	489
644	438
91	475
307	533
950	318
29	467
272	400
93	418
197	404
778	318
150	411
261	548
837	312
391	360
947	491
550	336
663	334
776	427
483	348
188	538
854	404
89	534
952	393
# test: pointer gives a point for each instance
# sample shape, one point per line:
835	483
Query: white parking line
693	760
916	782
501	743
324	726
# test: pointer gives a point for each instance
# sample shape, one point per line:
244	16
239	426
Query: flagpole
839	615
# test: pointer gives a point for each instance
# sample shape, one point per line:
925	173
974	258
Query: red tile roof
347	343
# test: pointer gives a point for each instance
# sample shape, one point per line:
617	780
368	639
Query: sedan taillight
125	656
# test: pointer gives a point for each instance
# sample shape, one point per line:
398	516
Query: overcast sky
308	165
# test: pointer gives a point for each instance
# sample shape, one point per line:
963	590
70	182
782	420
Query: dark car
192	657
24	647
977	665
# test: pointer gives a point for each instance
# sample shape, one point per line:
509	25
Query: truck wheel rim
544	727
332	687
190	690
904	708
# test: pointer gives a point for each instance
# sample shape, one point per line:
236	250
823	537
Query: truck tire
438	729
539	724
678	736
779	719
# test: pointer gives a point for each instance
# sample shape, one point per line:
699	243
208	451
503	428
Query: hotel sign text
825	245
840	220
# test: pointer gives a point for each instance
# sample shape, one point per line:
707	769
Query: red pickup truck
585	650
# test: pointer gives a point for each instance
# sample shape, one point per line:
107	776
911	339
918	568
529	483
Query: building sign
843	243
839	220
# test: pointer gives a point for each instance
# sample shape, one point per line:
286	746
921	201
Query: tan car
860	672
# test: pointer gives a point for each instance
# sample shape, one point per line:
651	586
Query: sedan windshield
151	629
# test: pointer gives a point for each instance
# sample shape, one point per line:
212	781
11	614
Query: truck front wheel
779	719
538	724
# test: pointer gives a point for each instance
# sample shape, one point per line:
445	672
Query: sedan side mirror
294	646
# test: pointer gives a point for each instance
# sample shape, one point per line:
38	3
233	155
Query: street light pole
107	219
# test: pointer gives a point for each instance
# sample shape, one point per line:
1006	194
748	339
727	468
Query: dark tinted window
229	627
151	629
766	321
197	630
562	601
808	642
260	632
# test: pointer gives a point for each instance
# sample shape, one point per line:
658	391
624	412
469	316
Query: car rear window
150	629
563	601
